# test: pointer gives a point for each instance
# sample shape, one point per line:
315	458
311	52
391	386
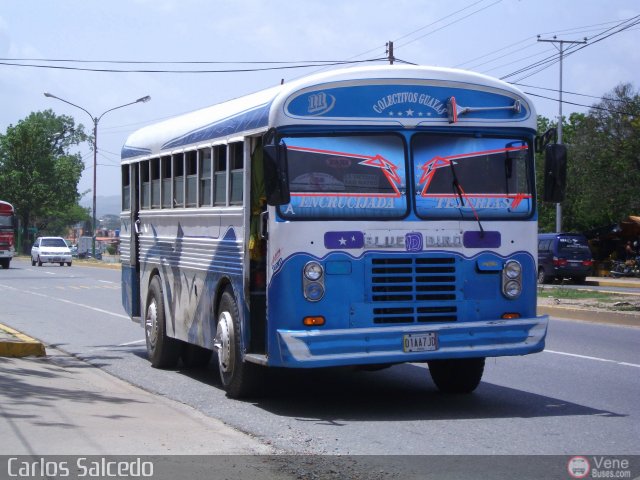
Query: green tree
603	171
546	211
38	174
59	225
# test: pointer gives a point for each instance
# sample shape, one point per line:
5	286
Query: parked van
563	255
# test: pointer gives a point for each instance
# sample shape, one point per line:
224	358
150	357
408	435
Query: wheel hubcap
151	323
224	342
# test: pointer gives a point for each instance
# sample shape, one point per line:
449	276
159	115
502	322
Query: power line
449	24
380	47
494	51
541	64
515	61
169	62
437	21
549	61
563	91
241	70
573	31
595	107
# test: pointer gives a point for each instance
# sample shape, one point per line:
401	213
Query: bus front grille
409	289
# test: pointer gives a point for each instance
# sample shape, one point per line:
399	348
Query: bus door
129	241
257	248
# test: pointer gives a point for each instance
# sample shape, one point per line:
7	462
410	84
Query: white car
50	250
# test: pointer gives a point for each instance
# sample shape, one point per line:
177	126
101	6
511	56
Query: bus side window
155	182
191	162
126	188
220	174
236	161
178	180
204	155
165	168
145	191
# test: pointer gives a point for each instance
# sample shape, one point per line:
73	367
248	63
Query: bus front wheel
239	378
163	351
458	375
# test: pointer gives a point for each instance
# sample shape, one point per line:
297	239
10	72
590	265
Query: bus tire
239	378
194	356
163	351
459	375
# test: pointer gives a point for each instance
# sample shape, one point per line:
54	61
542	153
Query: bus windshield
6	221
354	176
468	176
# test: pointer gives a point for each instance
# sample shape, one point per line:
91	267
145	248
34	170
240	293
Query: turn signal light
313	321
510	315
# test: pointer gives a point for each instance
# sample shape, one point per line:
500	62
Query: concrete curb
16	344
631	319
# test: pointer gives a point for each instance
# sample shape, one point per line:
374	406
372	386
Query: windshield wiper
459	190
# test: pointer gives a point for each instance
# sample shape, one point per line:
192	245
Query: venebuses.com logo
599	467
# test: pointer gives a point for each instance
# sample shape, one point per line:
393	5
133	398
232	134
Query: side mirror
276	174
555	173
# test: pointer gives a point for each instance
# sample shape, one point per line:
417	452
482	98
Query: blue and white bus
364	216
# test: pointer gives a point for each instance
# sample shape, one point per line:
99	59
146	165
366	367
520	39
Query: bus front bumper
363	346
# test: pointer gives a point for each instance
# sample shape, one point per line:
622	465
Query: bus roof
391	95
6	208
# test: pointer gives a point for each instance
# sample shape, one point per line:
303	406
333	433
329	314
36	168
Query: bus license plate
420	342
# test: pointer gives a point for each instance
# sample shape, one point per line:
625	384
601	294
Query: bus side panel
193	259
130	291
129	275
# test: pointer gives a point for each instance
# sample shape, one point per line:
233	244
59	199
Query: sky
495	37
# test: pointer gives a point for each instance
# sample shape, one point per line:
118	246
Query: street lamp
95	121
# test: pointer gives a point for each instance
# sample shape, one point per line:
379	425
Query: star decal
429	170
390	170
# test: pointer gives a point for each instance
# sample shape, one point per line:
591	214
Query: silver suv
50	250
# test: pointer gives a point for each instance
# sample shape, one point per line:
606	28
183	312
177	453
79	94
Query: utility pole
390	52
95	121
559	44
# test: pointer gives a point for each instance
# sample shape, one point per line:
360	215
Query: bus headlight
512	279
313	271
512	289
313	281
513	270
313	291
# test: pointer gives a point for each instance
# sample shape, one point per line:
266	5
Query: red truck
7	234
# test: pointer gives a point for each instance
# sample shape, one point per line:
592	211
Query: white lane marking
597	359
107	281
136	342
95	309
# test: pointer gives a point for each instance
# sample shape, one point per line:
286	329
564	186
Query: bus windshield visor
468	177
346	177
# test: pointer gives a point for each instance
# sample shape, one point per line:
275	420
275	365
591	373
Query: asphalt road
578	396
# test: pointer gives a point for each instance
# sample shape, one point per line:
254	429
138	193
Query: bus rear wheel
239	378
163	351
459	375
